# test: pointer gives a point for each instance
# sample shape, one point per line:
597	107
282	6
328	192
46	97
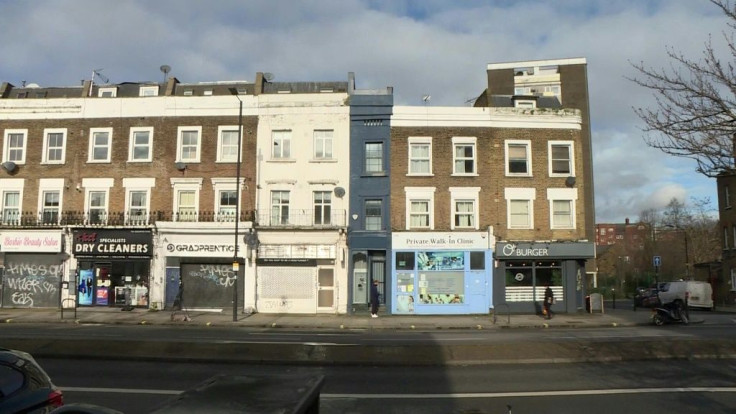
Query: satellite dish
268	76
9	165
165	69
180	166
339	192
570	181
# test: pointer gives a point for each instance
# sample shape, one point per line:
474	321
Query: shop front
301	272
525	269
32	269
199	268
441	273
112	267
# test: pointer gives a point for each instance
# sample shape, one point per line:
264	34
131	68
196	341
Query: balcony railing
294	218
77	218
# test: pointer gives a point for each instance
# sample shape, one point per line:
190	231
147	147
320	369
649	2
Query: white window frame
516	142
465	194
47	146
220	184
278	218
7	186
520	194
133	146
23	148
465	141
186	184
148	91
525	103
324	139
281	144
180	143
103	92
324	207
50	185
562	194
138	185
366	158
413	194
92	132
571	152
420	142
381	217
92	185
221	144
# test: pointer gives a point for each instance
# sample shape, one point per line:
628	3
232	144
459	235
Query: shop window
404	260
477	260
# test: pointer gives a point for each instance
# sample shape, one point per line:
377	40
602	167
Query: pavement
621	316
426	352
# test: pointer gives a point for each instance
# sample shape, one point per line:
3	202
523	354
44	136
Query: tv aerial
426	99
165	69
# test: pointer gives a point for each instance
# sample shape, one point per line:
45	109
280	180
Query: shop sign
112	243
200	248
580	250
286	262
30	242
440	240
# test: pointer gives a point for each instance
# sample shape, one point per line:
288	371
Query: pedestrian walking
374	299
549	298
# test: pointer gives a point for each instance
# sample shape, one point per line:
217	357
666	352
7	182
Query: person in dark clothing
374	299
549	297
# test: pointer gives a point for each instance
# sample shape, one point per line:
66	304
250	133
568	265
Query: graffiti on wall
31	281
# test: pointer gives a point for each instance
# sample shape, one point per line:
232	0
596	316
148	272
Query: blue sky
434	47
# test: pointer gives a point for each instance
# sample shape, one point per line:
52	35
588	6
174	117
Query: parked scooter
673	312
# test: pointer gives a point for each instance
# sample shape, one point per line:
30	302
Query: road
645	387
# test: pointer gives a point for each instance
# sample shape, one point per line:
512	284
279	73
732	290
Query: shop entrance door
102	284
325	290
173	281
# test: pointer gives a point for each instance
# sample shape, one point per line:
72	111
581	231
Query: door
102	284
325	290
378	272
172	285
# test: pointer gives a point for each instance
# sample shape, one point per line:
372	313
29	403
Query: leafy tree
695	112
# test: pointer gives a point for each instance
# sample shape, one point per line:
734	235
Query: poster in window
442	288
441	261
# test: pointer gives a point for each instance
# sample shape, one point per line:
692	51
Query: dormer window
148	91
525	103
107	92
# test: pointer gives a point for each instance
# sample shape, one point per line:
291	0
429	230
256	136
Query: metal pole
236	264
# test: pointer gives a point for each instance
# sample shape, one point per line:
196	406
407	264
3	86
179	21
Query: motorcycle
673	312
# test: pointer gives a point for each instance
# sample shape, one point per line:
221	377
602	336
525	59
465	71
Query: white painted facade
306	270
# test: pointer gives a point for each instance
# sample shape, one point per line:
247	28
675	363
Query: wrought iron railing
300	218
80	218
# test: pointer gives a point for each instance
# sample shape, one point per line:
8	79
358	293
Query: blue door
172	285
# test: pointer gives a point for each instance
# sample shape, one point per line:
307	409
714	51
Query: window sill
420	175
376	174
519	175
323	160
98	161
464	175
53	163
282	160
140	161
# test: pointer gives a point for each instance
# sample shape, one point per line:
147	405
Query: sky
433	47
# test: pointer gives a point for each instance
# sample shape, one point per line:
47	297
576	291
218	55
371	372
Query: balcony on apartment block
302	219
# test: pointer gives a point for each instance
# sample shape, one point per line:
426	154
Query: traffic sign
657	261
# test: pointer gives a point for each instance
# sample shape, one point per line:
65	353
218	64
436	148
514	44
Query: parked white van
701	294
697	294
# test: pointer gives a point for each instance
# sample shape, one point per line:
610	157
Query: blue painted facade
369	226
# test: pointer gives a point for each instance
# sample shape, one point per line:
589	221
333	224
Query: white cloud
437	47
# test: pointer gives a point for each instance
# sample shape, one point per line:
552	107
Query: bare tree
695	112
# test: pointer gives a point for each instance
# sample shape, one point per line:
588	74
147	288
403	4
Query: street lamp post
236	263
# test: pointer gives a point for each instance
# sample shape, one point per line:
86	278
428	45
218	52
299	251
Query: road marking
530	393
120	390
